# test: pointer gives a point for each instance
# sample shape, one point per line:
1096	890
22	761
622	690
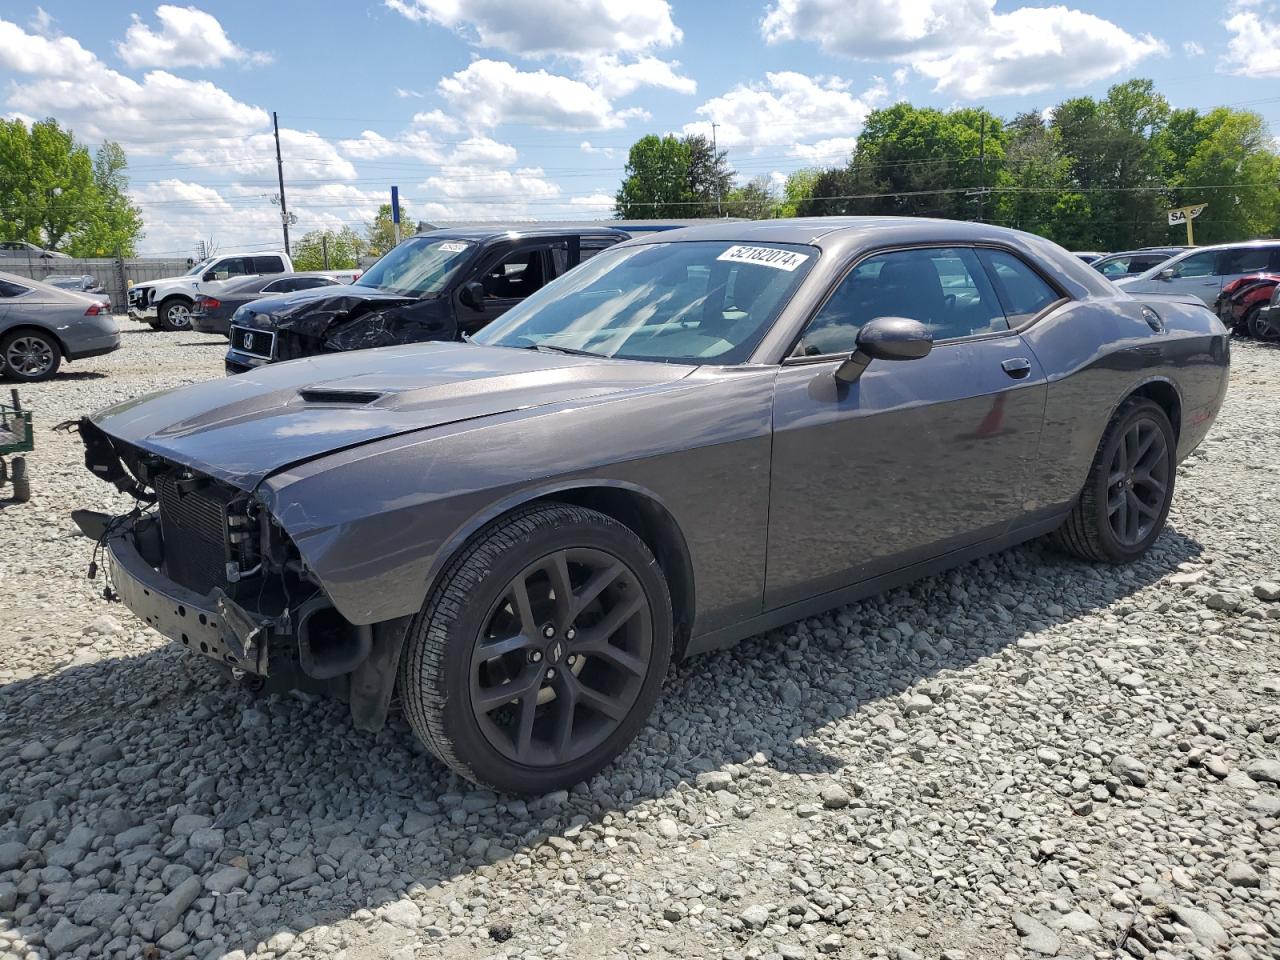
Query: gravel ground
1028	757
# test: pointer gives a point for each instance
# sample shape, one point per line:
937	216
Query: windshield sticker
451	246
765	257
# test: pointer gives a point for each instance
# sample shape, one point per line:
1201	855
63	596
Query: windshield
199	267
691	302
418	267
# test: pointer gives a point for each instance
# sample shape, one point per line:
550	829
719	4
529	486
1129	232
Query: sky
524	109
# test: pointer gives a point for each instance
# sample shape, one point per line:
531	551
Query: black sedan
212	314
692	438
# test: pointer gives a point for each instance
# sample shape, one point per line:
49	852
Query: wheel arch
638	509
1165	394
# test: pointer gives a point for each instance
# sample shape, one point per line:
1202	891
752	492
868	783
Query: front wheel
1264	325
175	314
541	651
1127	495
30	355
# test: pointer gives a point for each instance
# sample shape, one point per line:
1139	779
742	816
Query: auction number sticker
765	257
451	246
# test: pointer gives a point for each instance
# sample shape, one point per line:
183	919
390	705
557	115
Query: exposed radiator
194	526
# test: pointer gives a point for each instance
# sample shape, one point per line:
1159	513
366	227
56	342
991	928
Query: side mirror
208	276
1165	274
886	338
472	295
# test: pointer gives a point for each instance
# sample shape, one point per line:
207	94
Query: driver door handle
1017	367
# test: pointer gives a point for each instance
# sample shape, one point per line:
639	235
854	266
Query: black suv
433	286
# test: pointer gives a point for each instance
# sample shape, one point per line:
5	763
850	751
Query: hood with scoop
242	429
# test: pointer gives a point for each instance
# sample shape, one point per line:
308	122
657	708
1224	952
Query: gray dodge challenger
691	438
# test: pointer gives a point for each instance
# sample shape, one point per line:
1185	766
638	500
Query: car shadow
292	771
80	375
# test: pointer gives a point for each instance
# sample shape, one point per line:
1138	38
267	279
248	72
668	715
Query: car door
508	276
1197	274
917	458
271	263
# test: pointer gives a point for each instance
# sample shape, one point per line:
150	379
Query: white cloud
789	106
829	152
617	79
587	147
552	27
492	92
404	94
1192	49
438	119
414	145
1252	49
41	22
306	155
594	203
967	48
187	37
63	79
476	193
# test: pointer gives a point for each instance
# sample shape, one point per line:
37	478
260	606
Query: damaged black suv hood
242	429
353	317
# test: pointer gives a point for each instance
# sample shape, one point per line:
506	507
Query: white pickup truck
166	303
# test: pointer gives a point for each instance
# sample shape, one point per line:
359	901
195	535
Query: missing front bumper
212	624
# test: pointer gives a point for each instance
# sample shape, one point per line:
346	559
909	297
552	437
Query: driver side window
515	276
1197	265
945	288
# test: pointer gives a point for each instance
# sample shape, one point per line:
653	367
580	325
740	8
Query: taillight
208	303
94	310
358	275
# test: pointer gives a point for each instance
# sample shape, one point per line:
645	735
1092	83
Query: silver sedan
41	325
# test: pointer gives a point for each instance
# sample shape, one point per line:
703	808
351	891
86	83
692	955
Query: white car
167	303
1204	271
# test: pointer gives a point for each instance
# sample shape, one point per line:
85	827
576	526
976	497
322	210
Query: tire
447	683
1091	531
1267	329
30	356
174	314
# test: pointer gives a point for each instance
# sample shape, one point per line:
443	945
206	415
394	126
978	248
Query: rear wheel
1127	495
30	355
541	651
175	314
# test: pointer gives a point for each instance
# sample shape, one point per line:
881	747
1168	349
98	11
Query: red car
1243	299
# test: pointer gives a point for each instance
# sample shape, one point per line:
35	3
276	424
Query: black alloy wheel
1138	482
541	650
561	657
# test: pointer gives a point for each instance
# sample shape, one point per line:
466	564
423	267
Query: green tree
1222	158
754	200
55	195
381	230
710	177
656	180
913	161
798	188
345	248
1035	190
116	224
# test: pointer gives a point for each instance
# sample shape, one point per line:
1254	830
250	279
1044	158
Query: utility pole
982	164
324	246
284	208
715	166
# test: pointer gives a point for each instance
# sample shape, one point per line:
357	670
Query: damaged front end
205	564
324	322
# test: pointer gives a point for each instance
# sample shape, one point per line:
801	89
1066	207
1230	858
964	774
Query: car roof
518	232
1147	251
75	296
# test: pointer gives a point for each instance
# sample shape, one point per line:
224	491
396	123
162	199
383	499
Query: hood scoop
356	398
